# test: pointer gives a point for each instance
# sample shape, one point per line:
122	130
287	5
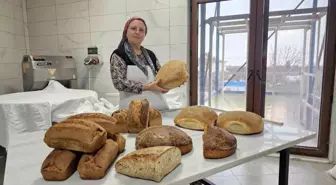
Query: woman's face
136	32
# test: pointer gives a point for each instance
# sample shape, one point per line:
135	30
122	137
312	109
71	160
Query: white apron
156	100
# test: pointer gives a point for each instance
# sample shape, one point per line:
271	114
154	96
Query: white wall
12	45
68	27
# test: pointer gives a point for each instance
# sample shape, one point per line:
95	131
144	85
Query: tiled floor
263	171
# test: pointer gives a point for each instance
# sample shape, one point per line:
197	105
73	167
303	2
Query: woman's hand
154	87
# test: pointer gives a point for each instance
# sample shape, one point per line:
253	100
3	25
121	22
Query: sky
236	44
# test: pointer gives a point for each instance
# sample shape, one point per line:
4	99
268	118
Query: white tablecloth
36	110
27	152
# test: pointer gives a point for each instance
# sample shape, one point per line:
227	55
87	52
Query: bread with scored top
107	122
164	135
77	135
218	143
137	115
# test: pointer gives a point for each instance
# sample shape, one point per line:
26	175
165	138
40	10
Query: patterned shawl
135	59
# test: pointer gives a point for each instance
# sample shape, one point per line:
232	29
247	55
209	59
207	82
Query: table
27	152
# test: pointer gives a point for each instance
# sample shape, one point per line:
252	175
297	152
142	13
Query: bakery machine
93	61
38	70
94	56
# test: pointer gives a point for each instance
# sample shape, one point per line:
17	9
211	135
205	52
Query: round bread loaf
163	135
172	74
241	122
77	135
218	143
195	117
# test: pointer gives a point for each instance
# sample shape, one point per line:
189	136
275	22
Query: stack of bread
137	117
159	151
85	142
91	142
159	148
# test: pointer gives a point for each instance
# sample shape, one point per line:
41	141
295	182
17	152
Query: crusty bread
59	165
163	135
155	117
195	117
94	166
77	135
172	74
152	163
121	117
107	122
218	143
120	140
137	115
241	122
92	115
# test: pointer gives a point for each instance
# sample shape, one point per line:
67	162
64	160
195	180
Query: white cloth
36	110
156	100
332	172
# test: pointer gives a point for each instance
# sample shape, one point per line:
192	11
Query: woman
133	68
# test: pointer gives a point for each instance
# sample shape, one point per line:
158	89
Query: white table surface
27	152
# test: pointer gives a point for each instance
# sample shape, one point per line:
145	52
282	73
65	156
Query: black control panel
93	51
37	58
43	63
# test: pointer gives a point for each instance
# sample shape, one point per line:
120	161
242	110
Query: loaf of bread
155	117
107	122
172	74
195	117
152	163
138	115
94	166
164	135
59	165
241	122
121	117
77	135
120	140
218	143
